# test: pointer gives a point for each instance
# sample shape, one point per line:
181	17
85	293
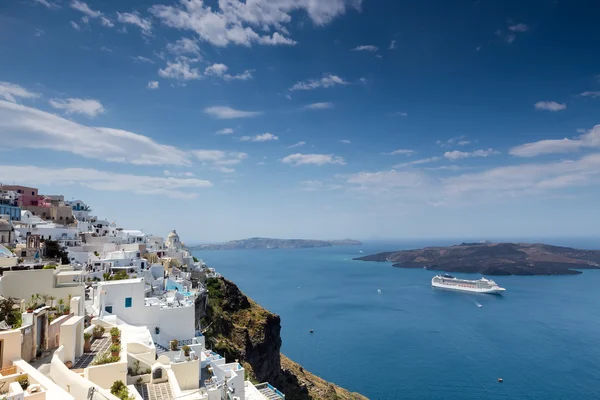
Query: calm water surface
413	342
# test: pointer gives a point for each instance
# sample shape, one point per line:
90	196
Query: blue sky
300	118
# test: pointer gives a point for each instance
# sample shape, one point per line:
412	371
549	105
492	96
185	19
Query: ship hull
498	290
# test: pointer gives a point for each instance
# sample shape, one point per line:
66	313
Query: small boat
479	305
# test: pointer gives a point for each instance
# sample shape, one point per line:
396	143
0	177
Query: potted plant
174	344
23	380
61	304
98	332
115	348
115	334
69	364
87	344
30	306
67	311
186	350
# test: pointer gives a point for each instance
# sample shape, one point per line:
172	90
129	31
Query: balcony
270	392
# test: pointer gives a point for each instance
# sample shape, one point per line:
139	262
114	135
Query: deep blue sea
414	342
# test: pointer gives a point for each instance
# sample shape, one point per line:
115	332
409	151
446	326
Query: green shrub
50	266
119	389
23	380
115	331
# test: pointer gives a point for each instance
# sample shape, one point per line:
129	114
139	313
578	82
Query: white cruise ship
479	286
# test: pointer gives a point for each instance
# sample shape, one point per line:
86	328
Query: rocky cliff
268	243
240	329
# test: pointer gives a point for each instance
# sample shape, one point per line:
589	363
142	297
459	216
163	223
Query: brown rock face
240	329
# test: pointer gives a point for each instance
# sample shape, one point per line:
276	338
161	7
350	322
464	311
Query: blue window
127	302
108	309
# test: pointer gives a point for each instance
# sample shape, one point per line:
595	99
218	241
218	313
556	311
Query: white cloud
401	114
26	127
220	160
529	177
47	4
216	70
401	152
220	70
417	162
89	107
179	174
590	94
299	144
458	155
367	47
237	22
550	106
345	141
316	185
39	32
507	37
226	131
142	59
221	112
184	46
454	141
265	137
314	159
106	49
180	69
134	19
326	81
103	181
152	85
591	139
106	22
10	92
84	8
319	106
392	45
75	26
518	28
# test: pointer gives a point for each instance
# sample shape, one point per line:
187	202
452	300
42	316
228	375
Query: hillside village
89	310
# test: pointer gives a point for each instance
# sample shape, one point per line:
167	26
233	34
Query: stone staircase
269	394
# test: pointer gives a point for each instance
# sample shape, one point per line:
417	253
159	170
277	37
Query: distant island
267	243
495	259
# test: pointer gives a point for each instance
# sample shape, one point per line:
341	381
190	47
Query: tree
53	250
120	275
7	311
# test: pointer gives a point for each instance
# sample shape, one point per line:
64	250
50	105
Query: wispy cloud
592	94
401	152
184	46
220	70
367	47
317	185
392	45
142	59
401	114
75	25
11	91
153	85
89	107
454	141
417	162
28	127
225	131
222	112
47	4
590	139
550	106
84	8
345	141
135	19
518	27
265	137
326	81
319	106
458	155
299	144
103	181
220	160
314	159
179	174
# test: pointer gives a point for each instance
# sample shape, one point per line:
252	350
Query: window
108	309
33	193
127	302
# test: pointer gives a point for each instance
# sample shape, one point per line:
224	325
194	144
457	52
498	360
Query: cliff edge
239	328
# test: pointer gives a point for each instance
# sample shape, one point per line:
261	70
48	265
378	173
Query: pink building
28	195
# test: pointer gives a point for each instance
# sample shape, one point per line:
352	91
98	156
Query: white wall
188	374
173	323
11	346
22	284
